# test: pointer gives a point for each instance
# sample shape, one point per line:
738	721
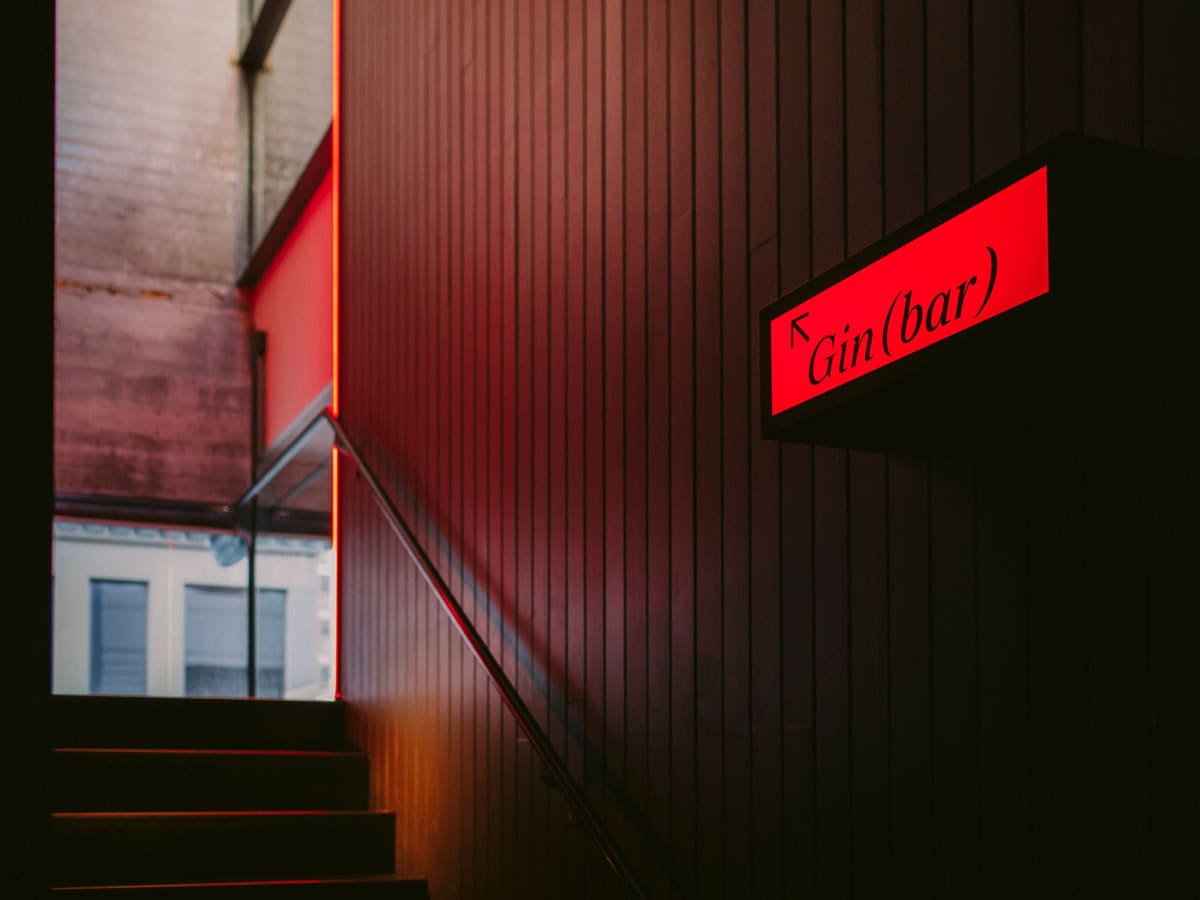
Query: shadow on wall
500	613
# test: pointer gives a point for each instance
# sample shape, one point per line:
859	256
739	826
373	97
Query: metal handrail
508	693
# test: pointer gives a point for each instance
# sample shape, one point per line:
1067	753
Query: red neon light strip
336	172
211	885
337	579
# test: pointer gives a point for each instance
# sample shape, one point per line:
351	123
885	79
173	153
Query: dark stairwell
214	798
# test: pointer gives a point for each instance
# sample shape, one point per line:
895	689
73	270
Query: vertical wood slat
1170	76
451	490
450	656
473	526
1051	77
514	167
947	99
996	79
634	620
866	491
830	551
903	111
594	445
595	489
1111	58
498	826
576	336
400	184
539	636
557	845
525	422
614	448
953	633
762	287
674	830
736	758
474	793
904	116
811	674
708	454
420	644
797	794
681	430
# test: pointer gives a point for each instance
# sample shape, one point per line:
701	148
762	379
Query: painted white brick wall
147	137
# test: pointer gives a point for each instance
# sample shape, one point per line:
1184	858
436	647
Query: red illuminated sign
985	261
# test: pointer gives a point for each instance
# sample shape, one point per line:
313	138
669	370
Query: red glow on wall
292	305
977	265
337	568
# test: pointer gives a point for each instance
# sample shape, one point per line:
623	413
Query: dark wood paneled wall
780	670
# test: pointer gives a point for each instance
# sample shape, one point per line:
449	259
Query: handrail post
258	349
252	605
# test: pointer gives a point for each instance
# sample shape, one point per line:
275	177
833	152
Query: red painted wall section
293	305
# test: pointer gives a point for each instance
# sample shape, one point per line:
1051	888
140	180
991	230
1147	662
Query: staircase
204	798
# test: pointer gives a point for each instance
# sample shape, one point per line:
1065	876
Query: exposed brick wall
152	390
151	394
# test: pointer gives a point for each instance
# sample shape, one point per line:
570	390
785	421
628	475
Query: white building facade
149	610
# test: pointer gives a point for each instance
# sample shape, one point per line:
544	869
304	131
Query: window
271	638
214	632
118	664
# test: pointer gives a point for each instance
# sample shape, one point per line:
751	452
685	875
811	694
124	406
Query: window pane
118	637
215	641
214	633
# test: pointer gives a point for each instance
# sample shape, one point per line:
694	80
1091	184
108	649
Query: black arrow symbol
796	327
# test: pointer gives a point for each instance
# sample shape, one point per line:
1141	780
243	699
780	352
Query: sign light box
981	263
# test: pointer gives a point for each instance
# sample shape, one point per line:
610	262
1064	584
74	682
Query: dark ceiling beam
262	34
182	514
142	510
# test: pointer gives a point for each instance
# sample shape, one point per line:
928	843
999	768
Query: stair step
112	780
169	848
199	723
387	886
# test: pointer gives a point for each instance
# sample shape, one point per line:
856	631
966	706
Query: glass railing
292	567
